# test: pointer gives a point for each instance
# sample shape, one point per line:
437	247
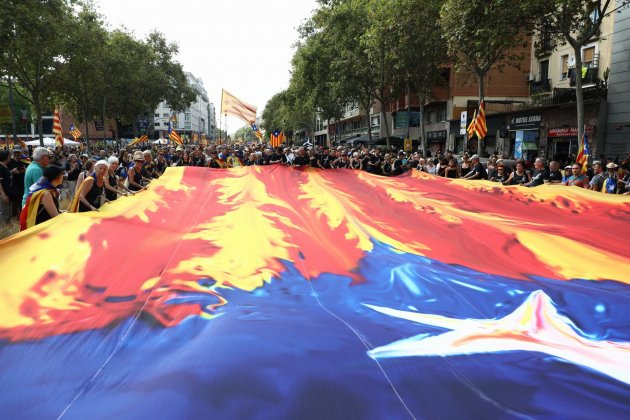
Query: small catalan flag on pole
76	133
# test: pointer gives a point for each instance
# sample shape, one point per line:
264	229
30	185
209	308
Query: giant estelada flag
272	292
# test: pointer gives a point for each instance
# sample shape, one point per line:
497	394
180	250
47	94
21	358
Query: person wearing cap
611	183
42	200
599	176
134	174
477	171
568	171
41	159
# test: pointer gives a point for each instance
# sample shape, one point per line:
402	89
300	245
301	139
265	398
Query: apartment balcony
539	86
590	77
564	96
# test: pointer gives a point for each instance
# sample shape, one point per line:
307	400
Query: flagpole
226	128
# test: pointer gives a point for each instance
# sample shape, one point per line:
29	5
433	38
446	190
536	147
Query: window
187	116
588	57
565	67
157	124
165	115
156	115
430	117
441	114
544	70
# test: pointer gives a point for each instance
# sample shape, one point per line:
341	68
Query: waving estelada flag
257	132
76	133
277	137
231	105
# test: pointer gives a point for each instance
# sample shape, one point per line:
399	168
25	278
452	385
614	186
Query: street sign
463	123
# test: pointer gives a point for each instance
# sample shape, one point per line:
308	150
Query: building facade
618	120
196	119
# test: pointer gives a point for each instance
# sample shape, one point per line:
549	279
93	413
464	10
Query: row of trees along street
62	52
362	51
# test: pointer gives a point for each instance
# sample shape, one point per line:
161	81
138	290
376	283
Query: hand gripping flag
231	105
57	129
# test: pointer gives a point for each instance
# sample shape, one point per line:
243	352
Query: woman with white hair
91	190
114	185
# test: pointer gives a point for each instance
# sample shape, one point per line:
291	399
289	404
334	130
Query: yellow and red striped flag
138	140
57	129
231	105
175	138
472	127
482	128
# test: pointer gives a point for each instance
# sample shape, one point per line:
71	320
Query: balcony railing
591	76
539	86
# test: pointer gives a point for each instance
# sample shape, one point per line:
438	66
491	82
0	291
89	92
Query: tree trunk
40	125
386	127
579	94
87	131
422	139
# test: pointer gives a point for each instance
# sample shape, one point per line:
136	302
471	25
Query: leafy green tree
481	34
576	22
33	39
80	81
246	134
174	85
420	52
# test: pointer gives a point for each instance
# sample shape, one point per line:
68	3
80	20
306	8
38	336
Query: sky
243	46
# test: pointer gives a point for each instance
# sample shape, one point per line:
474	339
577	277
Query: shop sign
525	122
436	135
563	132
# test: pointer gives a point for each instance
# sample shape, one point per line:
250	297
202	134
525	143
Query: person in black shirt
375	163
198	159
73	170
18	168
539	175
555	175
400	164
477	171
301	159
500	174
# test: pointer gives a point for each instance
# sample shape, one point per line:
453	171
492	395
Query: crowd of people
34	182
